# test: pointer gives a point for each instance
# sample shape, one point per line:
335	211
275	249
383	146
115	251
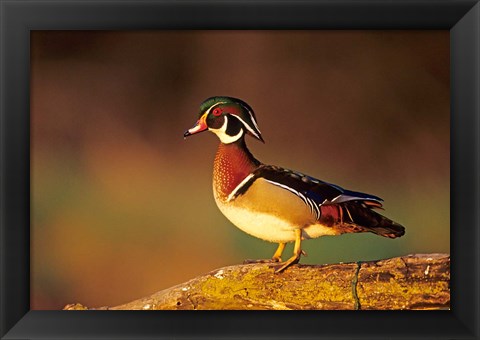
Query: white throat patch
222	134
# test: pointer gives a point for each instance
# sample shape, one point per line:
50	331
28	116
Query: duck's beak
200	125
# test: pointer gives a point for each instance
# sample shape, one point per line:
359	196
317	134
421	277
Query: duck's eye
217	112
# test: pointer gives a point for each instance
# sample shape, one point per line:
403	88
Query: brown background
122	205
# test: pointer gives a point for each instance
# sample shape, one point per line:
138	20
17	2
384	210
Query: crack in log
407	273
357	305
192	302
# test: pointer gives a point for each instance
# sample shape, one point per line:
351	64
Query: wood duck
277	204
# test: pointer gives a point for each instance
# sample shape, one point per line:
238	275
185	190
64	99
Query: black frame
18	17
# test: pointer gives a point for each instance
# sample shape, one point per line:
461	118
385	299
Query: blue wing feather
319	191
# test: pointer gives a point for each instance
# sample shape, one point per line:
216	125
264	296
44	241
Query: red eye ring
217	112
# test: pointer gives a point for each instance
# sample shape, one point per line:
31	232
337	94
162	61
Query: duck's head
229	118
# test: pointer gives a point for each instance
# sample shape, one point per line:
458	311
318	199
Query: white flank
268	227
264	226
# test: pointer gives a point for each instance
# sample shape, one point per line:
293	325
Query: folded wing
349	211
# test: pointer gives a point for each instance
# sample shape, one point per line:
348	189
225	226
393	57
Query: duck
274	203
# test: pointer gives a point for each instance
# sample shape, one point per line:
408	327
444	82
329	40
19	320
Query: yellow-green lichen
262	286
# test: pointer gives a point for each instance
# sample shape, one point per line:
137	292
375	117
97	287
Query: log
420	281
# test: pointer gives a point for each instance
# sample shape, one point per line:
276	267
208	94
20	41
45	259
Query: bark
408	282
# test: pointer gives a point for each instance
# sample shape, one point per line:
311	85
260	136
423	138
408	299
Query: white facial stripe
251	117
247	126
222	134
211	107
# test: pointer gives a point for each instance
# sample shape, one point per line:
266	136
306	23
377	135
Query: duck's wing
312	191
347	211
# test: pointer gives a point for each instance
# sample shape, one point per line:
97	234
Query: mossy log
408	282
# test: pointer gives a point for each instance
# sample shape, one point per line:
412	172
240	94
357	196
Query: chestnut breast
232	164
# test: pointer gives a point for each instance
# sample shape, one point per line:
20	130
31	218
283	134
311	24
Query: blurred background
122	205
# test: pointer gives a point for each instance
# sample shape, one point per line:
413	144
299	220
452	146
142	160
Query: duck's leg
275	258
297	252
